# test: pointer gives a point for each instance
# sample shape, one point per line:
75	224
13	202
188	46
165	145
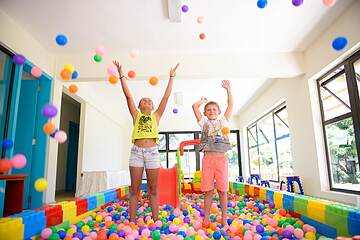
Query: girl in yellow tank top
145	137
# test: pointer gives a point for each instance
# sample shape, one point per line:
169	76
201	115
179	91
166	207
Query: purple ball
185	8
297	3
271	204
287	234
259	228
121	233
175	110
49	111
19	59
202	213
78	235
186	220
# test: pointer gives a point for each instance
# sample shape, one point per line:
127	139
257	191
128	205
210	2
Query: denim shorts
144	157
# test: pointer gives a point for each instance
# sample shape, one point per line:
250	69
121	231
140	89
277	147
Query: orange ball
113	79
73	88
282	212
153	80
214	209
65	74
49	128
113	236
5	165
225	131
131	74
202	36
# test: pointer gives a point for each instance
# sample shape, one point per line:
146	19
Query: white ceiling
121	25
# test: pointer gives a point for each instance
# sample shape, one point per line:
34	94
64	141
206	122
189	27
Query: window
269	146
340	110
191	160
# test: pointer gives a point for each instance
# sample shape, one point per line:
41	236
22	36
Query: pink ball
179	237
36	72
135	234
257	237
182	228
108	219
127	230
18	161
93	235
75	238
134	53
197	225
248	236
60	136
200	19
233	228
145	232
112	70
298	233
100	50
46	233
87	238
158	223
173	228
176	211
129	237
190	231
329	3
290	228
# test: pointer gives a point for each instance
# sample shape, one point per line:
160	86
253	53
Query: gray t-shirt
212	138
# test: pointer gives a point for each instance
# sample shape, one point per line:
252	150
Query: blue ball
74	75
229	221
116	216
7	143
261	3
182	233
125	214
339	43
61	39
109	208
185	212
62	234
217	235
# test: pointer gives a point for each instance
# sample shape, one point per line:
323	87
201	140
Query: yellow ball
41	184
263	221
176	221
198	237
69	67
71	231
193	211
98	218
310	235
85	228
150	221
163	214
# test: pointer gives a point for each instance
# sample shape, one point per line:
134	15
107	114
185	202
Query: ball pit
247	218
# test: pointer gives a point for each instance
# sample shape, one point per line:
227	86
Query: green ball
187	238
192	237
90	223
213	218
280	223
54	236
155	235
297	226
97	58
113	227
80	224
164	226
53	229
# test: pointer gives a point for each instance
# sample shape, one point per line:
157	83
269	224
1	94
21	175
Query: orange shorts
214	168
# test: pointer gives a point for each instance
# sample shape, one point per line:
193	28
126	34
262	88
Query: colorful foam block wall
30	223
330	218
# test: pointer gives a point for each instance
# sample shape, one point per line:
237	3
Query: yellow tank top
145	127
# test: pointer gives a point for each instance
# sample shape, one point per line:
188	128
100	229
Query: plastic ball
259	228
287	234
153	80
7	144
175	110
202	36
74	75
131	74
100	50
112	69
97	58
41	184
18	161
310	235
73	88
49	111
298	233
36	72
69	67
61	136
61	39
329	3
225	131
200	19
45	233
261	3
65	74
49	128
155	235
5	165
62	234
339	43
113	79
134	53
297	3
19	59
184	8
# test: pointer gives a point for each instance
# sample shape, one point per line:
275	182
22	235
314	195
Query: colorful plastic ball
113	79
329	3
49	111
73	88
134	53
75	74
131	74
61	39
200	19
310	235
97	58
175	110
69	67
41	184
202	36
153	80
298	233
19	59
225	131
7	144
5	165
49	128
261	3
297	3
65	74
100	50
36	72
155	235
184	8
18	161
339	43
271	205
61	233
287	234
112	69
61	136
259	228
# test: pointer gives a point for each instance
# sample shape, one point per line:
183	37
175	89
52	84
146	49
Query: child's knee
152	190
134	190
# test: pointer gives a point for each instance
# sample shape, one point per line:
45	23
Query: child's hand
119	68
173	70
203	100
226	84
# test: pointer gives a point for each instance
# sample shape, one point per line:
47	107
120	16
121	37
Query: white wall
308	162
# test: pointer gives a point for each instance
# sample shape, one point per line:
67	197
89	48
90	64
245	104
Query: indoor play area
267	90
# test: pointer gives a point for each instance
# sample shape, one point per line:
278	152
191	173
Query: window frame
353	87
273	114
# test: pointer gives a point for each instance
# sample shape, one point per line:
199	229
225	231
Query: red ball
131	74
202	36
5	165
